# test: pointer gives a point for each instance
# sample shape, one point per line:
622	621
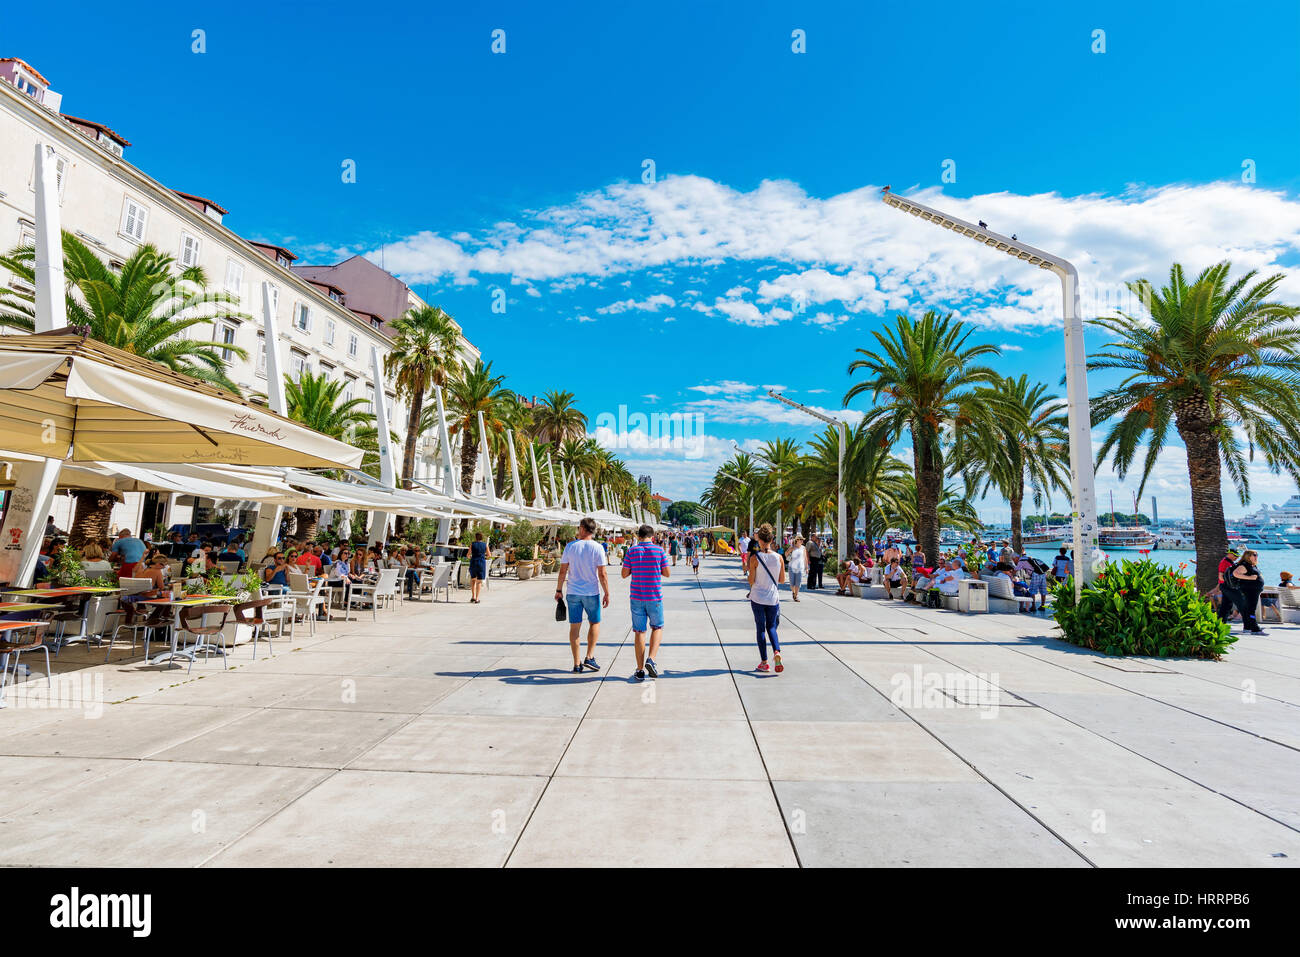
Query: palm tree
318	402
1028	443
921	381
423	354
557	418
469	393
902	510
143	308
1218	359
778	457
730	492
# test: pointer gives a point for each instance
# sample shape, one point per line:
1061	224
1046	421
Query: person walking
695	562
1249	584
1229	593
673	547
816	562
798	566
766	572
582	565
478	552
646	564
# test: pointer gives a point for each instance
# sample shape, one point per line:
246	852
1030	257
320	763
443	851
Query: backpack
1039	567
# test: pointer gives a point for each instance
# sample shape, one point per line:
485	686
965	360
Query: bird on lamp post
983	225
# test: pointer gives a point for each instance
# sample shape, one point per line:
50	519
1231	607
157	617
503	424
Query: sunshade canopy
60	392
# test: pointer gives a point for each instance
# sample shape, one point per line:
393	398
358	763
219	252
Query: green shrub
1141	608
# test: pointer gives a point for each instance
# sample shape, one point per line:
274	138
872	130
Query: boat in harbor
1137	538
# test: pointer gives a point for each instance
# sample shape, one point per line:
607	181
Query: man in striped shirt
645	563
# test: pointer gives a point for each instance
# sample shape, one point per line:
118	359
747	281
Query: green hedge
1142	608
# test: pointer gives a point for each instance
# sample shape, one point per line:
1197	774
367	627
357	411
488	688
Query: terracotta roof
30	69
98	126
325	285
659	498
273	247
200	199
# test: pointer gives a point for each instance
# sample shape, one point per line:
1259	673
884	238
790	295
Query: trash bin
972	595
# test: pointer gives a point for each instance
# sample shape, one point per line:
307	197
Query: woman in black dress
1249	583
478	552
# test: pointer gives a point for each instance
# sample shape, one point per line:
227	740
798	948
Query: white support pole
29	501
518	492
550	467
51	291
539	500
1080	424
26	507
485	460
378	530
449	488
266	531
842	503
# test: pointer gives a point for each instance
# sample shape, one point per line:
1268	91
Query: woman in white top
765	573
798	566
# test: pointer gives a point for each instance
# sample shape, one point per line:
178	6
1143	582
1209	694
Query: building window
110	144
26	235
133	220
350	388
329	332
234	277
302	317
334	294
282	259
352	344
275	300
60	167
327	370
298	365
189	250
226	334
261	355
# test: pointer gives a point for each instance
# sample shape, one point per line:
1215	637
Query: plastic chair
11	643
203	633
251	613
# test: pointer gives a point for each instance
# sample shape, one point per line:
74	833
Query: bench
1001	596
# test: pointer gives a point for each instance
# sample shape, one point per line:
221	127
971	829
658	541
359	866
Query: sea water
1270	563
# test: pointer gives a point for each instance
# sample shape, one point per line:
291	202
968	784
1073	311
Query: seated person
277	573
947	578
851	572
894	577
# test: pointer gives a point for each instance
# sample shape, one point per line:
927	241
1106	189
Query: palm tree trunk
929	482
90	517
468	452
307	519
1017	503
408	453
1204	473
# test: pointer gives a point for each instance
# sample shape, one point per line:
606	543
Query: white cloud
1008	347
650	304
852	249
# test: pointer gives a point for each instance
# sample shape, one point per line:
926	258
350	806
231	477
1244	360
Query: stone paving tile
395	819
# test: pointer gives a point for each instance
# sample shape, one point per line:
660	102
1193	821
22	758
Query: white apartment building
114	208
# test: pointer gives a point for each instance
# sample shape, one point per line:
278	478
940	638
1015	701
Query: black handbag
561	612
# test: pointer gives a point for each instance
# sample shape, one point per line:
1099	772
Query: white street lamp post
842	500
1076	371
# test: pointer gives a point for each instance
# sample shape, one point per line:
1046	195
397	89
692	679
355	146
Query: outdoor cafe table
188	601
4	656
82	593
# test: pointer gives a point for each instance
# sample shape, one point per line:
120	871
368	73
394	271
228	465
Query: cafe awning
61	392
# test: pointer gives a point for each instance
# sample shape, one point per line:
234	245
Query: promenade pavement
455	734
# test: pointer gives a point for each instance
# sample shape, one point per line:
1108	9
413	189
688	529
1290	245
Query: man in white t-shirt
583	566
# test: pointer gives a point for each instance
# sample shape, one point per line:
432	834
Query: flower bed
1141	608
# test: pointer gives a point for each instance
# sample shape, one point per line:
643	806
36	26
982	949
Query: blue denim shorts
580	603
643	610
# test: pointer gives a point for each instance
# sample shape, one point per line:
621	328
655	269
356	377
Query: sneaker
638	675
590	663
577	669
651	668
776	660
762	666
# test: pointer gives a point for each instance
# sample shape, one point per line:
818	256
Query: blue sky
760	254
